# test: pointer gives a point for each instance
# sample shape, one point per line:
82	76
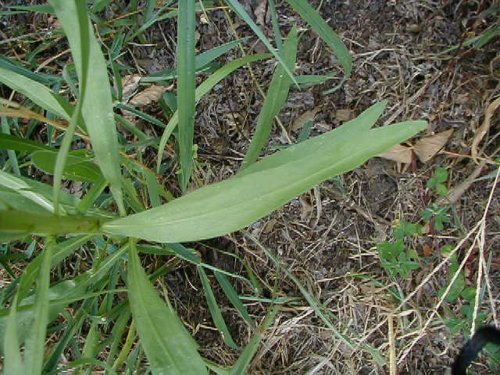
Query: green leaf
205	87
200	61
215	312
97	106
248	353
169	347
10	142
13	362
325	32
186	84
35	343
233	296
22	188
275	99
241	12
221	208
77	168
37	93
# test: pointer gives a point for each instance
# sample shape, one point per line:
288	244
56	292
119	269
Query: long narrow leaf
38	93
13	362
230	205
275	99
186	84
215	312
242	13
35	343
325	32
168	346
205	87
97	106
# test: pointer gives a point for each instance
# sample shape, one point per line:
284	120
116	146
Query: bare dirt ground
327	239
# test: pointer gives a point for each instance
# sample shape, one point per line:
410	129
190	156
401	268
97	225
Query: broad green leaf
97	106
21	187
215	312
10	142
275	99
35	343
77	168
224	207
12	200
168	345
304	149
325	32
37	93
186	85
13	363
205	87
242	13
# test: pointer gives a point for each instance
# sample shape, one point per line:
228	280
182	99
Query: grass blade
205	87
97	106
275	99
168	346
325	32
35	343
37	93
232	295
215	312
186	84
201	61
242	13
251	348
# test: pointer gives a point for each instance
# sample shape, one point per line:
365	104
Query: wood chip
427	147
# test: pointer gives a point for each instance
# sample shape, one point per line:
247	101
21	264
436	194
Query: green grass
111	298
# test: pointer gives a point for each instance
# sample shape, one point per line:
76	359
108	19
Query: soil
328	237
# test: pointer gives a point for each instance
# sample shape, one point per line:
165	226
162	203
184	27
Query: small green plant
396	258
436	215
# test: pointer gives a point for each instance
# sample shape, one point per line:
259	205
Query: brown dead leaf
344	115
306	208
427	250
483	129
130	84
260	12
427	147
304	118
399	154
147	96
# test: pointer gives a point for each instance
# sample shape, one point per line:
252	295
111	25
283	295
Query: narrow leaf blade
168	346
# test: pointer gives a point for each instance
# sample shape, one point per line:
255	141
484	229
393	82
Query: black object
471	349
